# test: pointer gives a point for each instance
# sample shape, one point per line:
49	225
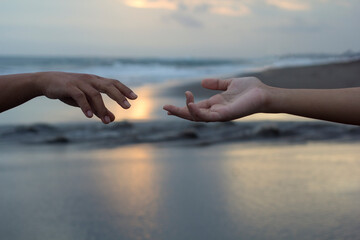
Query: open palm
241	97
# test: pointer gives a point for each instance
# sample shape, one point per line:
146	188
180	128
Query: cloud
219	7
296	26
289	5
186	20
159	4
239	11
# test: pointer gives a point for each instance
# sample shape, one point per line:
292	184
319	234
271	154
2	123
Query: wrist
275	100
39	83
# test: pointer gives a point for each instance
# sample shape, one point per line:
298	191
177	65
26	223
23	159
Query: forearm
336	105
17	89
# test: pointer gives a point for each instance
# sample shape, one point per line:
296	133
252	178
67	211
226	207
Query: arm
80	90
246	96
335	105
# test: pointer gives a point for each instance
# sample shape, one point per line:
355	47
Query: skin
79	90
245	96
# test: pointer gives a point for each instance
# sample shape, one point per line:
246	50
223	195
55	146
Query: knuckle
113	81
122	86
78	94
87	77
70	86
94	94
109	85
103	85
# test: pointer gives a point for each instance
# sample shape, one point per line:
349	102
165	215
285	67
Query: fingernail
133	95
127	104
89	114
107	119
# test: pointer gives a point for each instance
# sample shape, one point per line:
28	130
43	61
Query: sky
178	28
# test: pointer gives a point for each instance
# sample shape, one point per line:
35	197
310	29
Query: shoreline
176	133
152	97
323	76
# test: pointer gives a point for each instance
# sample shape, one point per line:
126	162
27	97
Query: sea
50	121
140	71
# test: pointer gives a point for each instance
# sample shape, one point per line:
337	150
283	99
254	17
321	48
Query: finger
98	105
116	95
111	117
216	84
125	90
192	112
81	100
179	112
204	115
202	104
189	97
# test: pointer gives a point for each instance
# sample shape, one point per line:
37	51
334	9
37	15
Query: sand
232	191
336	75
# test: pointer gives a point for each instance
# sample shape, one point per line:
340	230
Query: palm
241	97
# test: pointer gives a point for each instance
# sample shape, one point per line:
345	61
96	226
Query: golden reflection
266	181
141	108
131	186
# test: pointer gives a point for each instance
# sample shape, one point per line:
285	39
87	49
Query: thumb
216	84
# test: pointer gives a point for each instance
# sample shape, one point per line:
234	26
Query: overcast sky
178	28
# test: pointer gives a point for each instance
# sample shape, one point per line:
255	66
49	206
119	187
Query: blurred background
150	176
143	42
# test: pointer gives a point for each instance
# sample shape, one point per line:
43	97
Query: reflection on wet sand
273	187
132	190
141	109
230	191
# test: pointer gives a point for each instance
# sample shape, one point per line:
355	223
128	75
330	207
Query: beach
150	176
146	191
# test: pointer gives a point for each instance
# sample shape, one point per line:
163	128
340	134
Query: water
233	191
175	133
140	71
144	75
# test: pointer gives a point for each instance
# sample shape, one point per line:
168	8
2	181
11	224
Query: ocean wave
139	71
175	133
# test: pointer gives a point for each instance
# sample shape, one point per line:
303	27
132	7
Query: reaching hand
83	90
241	97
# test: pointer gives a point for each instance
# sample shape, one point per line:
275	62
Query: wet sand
233	191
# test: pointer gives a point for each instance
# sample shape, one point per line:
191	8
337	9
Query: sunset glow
289	5
179	28
227	7
141	109
151	4
242	10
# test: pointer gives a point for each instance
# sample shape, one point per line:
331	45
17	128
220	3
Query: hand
241	97
84	91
